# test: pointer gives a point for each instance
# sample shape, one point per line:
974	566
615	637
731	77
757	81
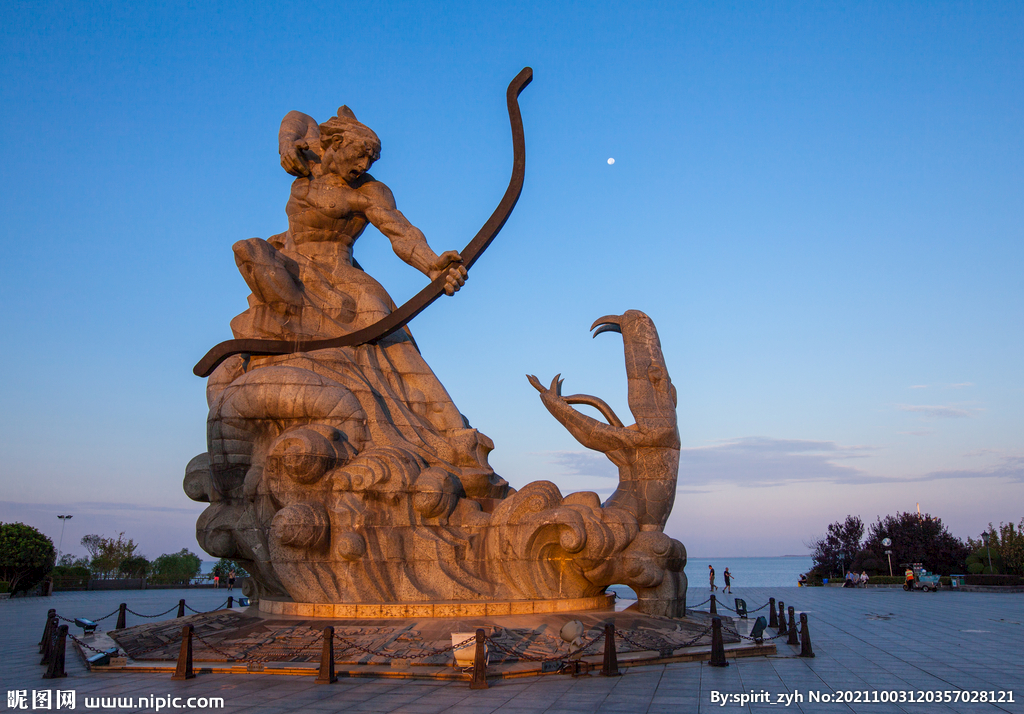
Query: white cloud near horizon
939	411
761	462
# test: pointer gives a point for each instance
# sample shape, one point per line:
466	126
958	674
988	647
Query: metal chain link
393	655
784	633
206	612
160	614
90	647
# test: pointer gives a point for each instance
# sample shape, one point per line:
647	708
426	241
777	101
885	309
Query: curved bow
419	302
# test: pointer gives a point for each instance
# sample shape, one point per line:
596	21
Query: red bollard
805	637
479	663
48	630
326	673
55	668
184	669
610	667
717	644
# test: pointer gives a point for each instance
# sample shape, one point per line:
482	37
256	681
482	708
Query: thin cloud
760	462
916	433
938	411
101	507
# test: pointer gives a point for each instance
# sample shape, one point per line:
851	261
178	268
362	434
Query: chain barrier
230	657
690	607
348	644
722	604
205	612
160	614
784	633
89	647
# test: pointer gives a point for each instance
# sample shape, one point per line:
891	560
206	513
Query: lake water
746	572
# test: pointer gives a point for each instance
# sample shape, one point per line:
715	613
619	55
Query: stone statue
340	471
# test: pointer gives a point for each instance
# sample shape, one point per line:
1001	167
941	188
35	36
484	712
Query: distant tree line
915	538
27	557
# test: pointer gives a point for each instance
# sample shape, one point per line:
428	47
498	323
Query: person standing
727	576
711	573
231	580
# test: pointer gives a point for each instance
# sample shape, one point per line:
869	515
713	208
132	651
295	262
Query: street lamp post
63	522
888	554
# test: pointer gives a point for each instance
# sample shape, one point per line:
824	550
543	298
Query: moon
611	161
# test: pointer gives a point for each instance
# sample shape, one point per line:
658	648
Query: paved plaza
872	641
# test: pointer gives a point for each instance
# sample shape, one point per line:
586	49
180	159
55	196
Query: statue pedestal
391	610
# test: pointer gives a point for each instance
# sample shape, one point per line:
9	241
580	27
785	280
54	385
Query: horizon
819	207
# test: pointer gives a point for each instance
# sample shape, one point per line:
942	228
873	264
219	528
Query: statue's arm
293	140
408	241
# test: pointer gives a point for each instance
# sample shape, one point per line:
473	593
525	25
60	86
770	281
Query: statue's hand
293	160
451	262
555	390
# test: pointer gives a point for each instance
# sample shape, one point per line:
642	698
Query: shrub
993	580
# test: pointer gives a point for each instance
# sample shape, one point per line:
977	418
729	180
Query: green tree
108	554
26	556
836	550
919	539
1005	545
177	567
224	566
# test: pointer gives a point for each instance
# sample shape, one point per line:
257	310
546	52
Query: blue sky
820	205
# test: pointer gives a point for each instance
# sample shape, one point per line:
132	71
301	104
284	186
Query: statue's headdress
346	129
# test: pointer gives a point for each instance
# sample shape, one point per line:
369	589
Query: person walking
727	576
909	585
711	573
231	580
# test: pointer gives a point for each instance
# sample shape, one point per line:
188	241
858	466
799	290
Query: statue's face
351	160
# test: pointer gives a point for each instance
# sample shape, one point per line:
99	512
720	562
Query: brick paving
872	640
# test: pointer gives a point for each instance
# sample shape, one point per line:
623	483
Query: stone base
378	611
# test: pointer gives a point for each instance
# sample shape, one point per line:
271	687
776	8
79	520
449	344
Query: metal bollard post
51	639
181	608
805	637
479	663
773	617
231	601
121	616
55	670
326	674
782	617
714	605
48	630
610	667
792	628
717	644
184	669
